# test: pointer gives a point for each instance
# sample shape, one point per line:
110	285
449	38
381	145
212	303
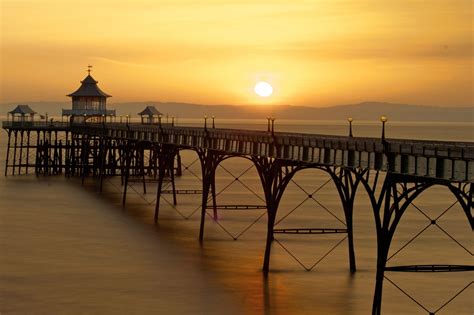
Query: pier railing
35	125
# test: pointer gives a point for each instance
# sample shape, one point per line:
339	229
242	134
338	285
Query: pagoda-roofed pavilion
150	115
22	113
88	102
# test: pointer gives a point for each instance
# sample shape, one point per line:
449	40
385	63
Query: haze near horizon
318	53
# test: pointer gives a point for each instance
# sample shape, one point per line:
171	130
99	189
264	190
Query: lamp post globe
383	119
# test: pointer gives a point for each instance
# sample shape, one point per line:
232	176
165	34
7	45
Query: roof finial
89	67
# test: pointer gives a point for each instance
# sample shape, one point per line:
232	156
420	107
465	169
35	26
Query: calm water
65	249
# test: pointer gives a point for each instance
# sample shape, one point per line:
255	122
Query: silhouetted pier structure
392	171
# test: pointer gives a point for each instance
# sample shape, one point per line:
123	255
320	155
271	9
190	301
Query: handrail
34	124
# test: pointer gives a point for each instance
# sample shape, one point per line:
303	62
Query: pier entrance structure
88	103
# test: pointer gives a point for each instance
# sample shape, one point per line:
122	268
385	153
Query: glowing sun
263	89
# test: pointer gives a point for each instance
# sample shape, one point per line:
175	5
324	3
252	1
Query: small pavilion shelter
22	113
88	102
150	115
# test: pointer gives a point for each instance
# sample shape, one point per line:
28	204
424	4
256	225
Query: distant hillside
361	111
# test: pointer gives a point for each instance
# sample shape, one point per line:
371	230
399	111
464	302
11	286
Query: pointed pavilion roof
22	110
150	111
89	88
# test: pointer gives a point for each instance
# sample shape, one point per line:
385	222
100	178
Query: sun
263	89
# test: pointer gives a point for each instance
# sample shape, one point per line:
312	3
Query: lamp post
103	119
205	122
126	119
159	120
85	118
172	121
268	124
273	125
383	119
350	126
213	124
120	118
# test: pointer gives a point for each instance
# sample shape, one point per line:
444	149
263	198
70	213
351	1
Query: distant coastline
362	111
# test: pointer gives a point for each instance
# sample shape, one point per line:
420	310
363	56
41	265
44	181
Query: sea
65	248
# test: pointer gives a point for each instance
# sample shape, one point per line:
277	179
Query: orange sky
318	53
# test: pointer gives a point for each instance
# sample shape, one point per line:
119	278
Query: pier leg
56	159
111	163
14	152
179	169
21	152
27	151
123	161
270	226
37	157
209	161
128	161
158	194
382	252
50	149
173	184
214	199
275	175
46	157
8	152
350	242
142	162
161	175
153	163
103	155
205	196
61	160
69	155
165	154
66	159
74	155
346	181
85	156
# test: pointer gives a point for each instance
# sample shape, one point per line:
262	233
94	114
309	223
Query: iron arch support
347	181
209	160
275	175
390	207
464	193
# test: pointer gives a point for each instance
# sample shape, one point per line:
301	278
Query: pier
392	172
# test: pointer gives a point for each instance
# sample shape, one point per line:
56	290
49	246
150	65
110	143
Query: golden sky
317	53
